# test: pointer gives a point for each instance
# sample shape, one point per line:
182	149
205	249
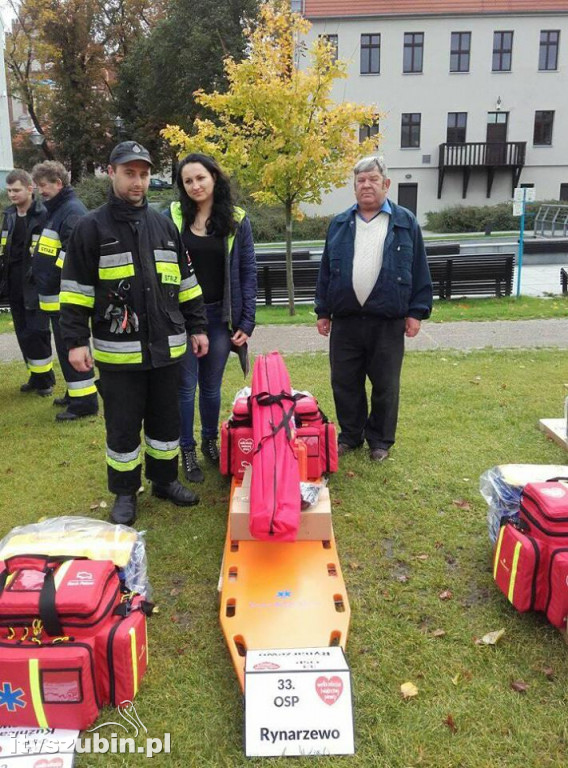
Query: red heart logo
54	762
246	444
329	689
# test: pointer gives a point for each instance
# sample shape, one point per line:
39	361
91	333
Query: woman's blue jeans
208	373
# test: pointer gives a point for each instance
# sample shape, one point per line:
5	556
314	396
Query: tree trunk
289	270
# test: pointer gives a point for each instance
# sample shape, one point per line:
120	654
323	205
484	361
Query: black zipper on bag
110	661
536	570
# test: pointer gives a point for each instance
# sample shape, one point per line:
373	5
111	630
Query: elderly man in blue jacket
373	288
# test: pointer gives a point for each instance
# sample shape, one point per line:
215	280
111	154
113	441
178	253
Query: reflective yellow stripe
33	668
192	293
518	547
59	261
132	633
120	358
178	351
49	306
40	368
170	272
83	392
124	466
162	455
115	273
61	571
498	551
65	297
10	579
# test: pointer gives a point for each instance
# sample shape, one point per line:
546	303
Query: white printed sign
529	194
298	702
37	748
517	209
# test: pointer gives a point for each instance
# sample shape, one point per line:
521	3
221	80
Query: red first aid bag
71	596
49	685
122	653
275	484
517	568
557	584
544	507
318	433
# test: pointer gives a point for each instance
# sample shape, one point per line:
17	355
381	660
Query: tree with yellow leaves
278	129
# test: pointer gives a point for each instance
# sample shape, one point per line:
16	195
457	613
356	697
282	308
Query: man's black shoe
124	510
176	493
71	416
191	469
45	392
209	450
62	402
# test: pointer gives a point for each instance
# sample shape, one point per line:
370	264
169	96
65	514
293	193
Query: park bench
476	273
272	282
564	280
549	245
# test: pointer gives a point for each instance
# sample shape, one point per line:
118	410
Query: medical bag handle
22	562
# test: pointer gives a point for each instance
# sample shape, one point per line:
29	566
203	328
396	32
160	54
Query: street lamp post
36	137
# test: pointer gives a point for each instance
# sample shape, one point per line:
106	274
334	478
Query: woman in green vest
218	238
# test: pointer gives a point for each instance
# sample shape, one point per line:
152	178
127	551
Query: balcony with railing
488	155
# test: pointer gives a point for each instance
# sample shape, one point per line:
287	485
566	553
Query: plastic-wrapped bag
501	487
310	493
84	537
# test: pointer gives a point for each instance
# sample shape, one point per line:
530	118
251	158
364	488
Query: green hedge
477	218
269	224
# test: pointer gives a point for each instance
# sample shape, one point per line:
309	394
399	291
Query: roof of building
336	8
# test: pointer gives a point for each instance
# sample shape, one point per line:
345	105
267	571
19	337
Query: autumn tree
277	127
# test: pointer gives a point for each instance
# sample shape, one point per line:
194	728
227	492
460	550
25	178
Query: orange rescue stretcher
280	594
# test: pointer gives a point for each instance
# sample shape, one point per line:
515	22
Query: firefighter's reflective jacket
137	255
35	218
64	210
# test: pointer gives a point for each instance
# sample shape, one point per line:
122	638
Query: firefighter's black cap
127	151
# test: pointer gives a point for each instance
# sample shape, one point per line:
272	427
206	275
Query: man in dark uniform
21	226
127	270
64	210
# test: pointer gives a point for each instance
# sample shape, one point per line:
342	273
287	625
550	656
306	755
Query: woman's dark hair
222	219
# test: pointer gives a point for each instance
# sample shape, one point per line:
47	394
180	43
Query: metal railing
483	153
552	220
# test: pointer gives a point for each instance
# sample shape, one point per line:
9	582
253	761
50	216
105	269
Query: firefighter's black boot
176	493
124	510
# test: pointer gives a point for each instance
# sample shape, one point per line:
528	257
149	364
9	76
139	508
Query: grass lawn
523	308
406	531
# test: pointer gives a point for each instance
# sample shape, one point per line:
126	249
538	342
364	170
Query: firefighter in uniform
127	270
64	210
23	222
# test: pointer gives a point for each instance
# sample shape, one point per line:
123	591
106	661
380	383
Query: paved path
501	334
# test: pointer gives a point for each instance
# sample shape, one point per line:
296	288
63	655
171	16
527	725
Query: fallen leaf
456	679
491	638
438	633
175	591
403	578
447	594
461	503
408	690
439	544
519	685
103	505
354	566
549	672
350	473
421	557
94	506
63	464
449	721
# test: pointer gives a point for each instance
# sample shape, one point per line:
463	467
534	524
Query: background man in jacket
373	287
22	223
64	210
126	269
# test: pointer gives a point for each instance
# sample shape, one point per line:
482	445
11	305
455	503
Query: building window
413	52
548	52
459	51
333	41
457	123
543	121
368	131
370	54
502	51
297	6
564	192
410	129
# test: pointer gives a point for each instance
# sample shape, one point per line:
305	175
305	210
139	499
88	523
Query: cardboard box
315	522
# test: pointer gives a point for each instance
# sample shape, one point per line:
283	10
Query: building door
408	196
564	192
496	138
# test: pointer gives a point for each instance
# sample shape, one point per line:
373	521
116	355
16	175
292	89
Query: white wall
436	92
6	158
